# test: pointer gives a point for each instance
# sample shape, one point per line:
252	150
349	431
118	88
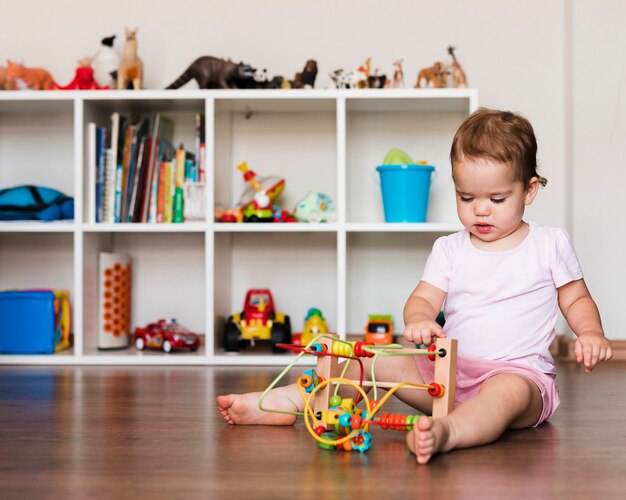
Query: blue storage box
34	322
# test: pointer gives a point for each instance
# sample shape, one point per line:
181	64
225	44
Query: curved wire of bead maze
315	388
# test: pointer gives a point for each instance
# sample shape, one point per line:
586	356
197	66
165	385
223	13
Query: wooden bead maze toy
336	422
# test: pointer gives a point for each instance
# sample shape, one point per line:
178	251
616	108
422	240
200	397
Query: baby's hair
501	136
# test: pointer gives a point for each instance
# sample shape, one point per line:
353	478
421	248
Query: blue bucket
405	191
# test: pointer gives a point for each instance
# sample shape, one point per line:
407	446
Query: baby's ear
531	190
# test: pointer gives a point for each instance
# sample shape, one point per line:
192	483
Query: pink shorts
471	373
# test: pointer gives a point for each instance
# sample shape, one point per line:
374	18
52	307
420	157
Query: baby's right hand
423	332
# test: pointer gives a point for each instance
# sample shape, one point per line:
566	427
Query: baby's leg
244	408
505	401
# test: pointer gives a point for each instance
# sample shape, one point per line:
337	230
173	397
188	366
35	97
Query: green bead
335	400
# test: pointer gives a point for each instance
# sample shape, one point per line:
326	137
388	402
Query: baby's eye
466	199
498	200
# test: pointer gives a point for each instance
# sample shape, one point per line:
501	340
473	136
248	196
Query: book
108	191
126	154
179	180
168	187
118	194
91	171
160	210
139	131
200	145
100	166
135	187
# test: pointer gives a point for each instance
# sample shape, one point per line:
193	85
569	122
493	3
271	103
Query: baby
501	282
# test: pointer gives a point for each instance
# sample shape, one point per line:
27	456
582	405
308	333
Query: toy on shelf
256	200
3	78
259	320
19	77
105	62
379	329
213	73
34	321
337	422
166	336
398	74
114	284
377	81
314	325
83	78
306	79
456	71
433	76
315	207
130	70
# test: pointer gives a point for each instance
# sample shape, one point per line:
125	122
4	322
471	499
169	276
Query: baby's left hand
591	348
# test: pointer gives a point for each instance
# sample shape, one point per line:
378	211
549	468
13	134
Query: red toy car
168	336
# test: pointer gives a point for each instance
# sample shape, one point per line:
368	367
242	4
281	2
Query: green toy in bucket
405	187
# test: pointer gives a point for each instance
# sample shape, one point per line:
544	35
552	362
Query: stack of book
137	175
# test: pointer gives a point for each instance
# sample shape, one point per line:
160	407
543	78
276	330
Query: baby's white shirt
504	305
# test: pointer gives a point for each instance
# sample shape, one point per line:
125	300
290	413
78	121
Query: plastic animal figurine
398	74
456	71
83	78
377	81
22	77
214	73
131	68
306	79
3	72
433	76
105	62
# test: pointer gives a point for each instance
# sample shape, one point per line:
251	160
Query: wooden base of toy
445	375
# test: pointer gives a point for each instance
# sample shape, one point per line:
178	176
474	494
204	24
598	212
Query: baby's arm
583	317
420	312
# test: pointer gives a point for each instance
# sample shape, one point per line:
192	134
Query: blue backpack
35	203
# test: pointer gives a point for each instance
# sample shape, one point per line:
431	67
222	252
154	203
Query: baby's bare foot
244	409
427	438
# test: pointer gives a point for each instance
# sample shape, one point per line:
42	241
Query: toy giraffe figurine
398	74
131	67
458	75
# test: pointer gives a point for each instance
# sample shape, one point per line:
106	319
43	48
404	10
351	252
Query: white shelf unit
318	140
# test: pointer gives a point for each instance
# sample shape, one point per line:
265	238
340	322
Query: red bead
432	348
373	404
358	350
436	390
319	430
357	421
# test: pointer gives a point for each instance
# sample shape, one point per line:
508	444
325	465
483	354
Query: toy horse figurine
131	67
21	77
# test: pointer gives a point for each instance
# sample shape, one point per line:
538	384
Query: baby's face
490	199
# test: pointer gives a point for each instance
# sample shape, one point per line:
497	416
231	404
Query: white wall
516	53
599	154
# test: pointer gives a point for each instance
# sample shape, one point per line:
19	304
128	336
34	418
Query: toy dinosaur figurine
83	78
131	67
21	77
213	73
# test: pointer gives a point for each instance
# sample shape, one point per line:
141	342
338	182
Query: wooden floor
111	432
